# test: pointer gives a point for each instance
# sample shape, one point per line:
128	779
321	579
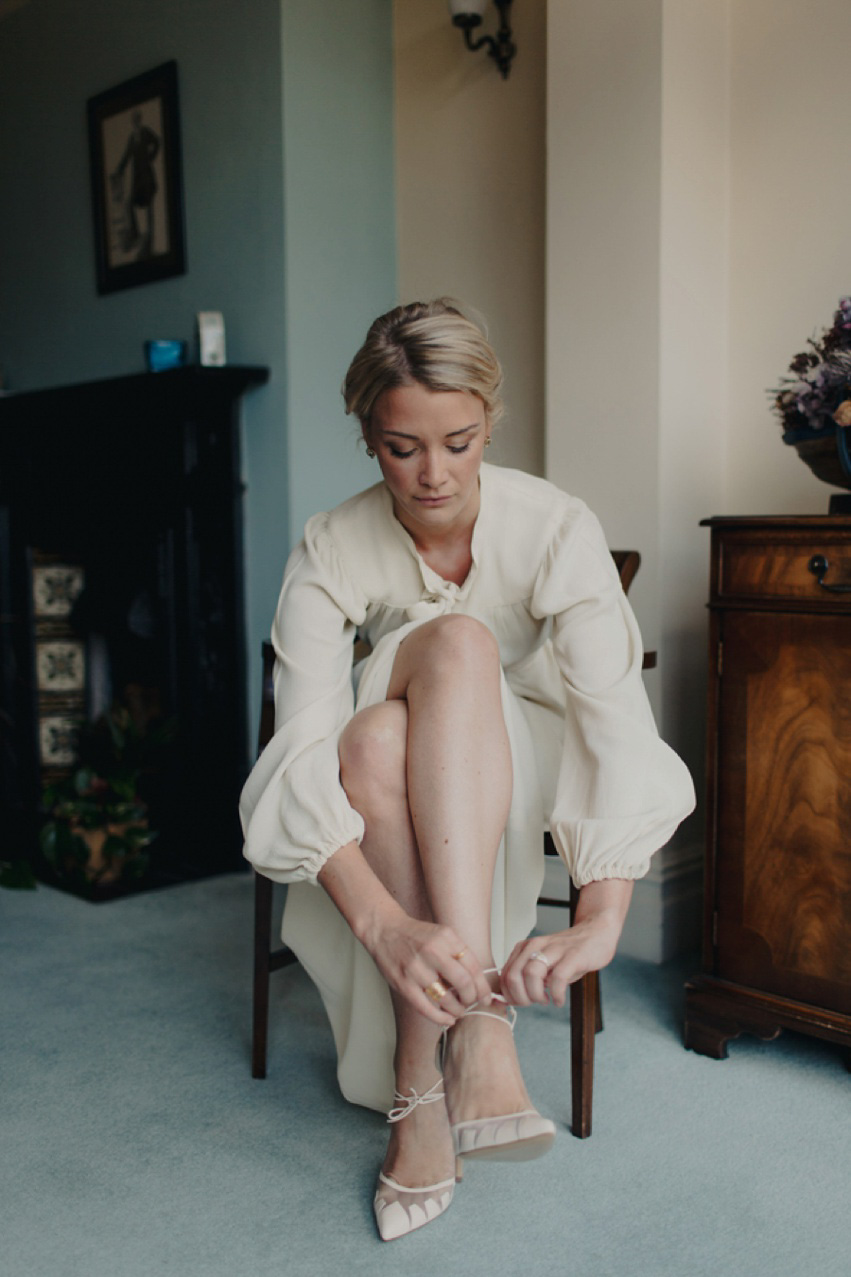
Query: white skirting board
665	915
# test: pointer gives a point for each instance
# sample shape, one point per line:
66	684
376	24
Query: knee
463	644
373	757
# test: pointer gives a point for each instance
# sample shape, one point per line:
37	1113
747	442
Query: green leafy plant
98	830
17	875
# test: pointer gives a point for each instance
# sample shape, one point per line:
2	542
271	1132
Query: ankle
417	1070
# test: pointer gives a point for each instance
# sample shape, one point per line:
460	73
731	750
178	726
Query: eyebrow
400	434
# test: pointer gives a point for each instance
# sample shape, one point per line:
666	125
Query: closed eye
454	448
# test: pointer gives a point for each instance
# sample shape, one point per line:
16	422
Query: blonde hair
431	344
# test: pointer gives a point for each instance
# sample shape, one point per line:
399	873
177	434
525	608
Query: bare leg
459	790
435	809
458	768
373	771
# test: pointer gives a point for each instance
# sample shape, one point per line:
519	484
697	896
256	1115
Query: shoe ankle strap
510	1020
407	1103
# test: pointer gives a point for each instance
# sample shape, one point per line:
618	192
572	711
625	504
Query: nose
431	470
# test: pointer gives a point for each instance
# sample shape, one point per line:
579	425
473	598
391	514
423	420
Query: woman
503	691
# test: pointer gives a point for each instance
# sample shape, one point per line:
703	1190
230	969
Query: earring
488	442
370	452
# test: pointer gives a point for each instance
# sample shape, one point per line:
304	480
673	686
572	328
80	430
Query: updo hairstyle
430	344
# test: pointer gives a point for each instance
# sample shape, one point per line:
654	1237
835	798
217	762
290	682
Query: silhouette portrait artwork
134	187
135	155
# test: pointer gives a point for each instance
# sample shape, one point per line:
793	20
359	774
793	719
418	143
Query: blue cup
160	355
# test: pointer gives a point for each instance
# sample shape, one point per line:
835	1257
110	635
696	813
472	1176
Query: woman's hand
588	945
412	956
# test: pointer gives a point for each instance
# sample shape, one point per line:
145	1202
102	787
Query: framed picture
137	198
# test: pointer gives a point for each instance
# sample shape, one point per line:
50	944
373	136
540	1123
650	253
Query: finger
536	970
435	985
463	973
527	979
561	975
482	987
457	966
452	1004
512	982
432	1010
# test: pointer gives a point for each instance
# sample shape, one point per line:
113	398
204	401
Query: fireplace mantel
137	479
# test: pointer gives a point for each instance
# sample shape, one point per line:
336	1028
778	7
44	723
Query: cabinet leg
707	1040
713	1016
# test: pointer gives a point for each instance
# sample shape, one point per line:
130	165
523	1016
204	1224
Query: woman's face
429	445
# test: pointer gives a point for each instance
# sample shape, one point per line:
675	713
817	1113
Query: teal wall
275	107
340	230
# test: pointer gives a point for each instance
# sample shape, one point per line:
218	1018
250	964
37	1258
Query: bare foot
481	1071
419	1152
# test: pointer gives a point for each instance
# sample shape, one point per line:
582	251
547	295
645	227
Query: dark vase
827	452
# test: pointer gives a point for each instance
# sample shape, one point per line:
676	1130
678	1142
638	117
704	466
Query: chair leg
598	990
586	1019
583	1012
263	890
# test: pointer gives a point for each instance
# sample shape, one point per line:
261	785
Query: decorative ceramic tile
57	741
65	704
55	587
60	667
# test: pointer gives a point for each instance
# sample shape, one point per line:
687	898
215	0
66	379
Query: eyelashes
457	450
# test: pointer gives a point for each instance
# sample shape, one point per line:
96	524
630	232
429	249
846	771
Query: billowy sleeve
621	790
294	810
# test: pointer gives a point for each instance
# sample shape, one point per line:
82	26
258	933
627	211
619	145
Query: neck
434	540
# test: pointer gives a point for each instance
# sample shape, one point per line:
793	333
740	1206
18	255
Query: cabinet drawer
778	568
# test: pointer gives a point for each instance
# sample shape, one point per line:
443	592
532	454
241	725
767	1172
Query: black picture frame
137	185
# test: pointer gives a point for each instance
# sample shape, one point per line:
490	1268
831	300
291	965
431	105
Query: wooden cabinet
777	925
136	482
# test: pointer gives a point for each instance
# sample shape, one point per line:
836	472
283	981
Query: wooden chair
585	1003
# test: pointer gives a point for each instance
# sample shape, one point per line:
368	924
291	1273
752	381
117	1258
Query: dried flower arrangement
818	394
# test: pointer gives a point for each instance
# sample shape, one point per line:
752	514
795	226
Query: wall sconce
467	14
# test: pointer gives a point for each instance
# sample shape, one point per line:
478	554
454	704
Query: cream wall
637	200
602	309
470	194
790	228
693	390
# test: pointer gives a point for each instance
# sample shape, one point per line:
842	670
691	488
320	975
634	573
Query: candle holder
467	15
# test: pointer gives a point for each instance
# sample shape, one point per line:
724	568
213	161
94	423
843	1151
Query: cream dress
587	758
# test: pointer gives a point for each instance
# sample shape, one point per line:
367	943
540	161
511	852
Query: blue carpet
134	1141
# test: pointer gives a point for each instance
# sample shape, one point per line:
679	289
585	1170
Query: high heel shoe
398	1209
510	1137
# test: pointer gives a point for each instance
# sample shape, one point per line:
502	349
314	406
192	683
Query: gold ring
436	990
459	956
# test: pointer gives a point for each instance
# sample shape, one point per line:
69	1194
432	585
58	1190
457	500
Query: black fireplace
121	582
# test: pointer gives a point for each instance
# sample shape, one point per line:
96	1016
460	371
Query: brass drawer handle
819	565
